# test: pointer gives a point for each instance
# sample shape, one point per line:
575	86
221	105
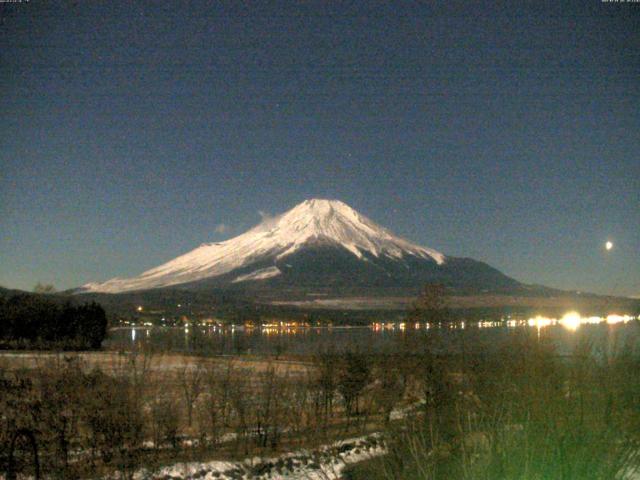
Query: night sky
508	132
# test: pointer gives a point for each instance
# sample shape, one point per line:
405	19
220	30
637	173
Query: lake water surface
566	336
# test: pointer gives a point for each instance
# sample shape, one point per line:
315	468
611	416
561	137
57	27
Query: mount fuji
317	246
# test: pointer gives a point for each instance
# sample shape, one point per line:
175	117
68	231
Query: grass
522	413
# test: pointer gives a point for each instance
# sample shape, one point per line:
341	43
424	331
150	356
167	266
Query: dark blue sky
508	132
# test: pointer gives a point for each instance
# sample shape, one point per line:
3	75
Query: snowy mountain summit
264	251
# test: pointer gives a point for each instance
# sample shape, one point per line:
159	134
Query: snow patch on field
325	463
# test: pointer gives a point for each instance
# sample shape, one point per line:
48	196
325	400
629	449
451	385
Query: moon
608	245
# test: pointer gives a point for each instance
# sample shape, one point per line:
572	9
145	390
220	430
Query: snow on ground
400	413
324	463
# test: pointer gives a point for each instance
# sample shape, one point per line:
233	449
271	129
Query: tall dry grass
521	412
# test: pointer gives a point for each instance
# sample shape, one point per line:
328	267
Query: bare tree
325	384
353	377
271	400
191	380
215	408
390	385
240	396
44	288
165	421
300	407
430	306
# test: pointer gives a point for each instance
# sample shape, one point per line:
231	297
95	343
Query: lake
566	334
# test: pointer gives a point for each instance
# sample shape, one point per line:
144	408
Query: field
100	413
520	411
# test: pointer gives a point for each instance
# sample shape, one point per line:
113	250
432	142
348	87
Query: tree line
33	321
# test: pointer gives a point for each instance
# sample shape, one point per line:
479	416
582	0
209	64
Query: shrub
521	413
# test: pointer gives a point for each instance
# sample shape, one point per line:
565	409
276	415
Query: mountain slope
313	225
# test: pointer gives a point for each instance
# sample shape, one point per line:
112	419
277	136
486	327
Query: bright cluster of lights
570	320
540	322
612	319
489	324
381	326
573	320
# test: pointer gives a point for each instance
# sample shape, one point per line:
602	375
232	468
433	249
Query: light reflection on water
565	333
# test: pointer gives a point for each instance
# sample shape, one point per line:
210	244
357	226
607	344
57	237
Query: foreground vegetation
521	413
517	411
72	419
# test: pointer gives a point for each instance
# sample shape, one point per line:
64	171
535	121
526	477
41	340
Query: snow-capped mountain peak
312	222
336	222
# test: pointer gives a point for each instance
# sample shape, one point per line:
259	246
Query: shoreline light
613	319
540	321
572	320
